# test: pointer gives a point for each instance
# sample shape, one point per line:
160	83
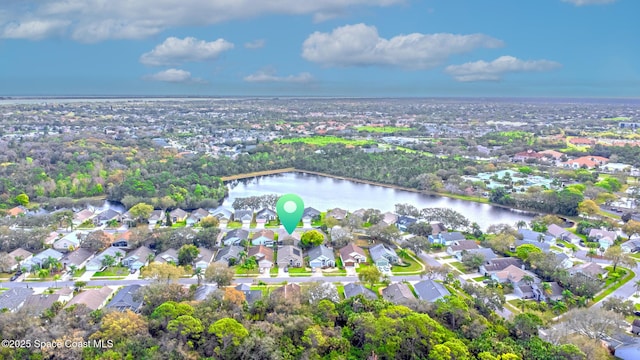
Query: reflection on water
325	193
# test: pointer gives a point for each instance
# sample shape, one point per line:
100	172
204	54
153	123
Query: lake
325	193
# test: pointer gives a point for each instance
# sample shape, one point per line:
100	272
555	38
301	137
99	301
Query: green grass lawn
480	278
614	285
179	224
274	271
567	244
325	140
234	225
113	271
79	272
460	266
362	266
241	271
299	272
335	272
413	267
5	276
340	291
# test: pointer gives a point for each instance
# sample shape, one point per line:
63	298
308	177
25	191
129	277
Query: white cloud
589	2
360	45
34	29
98	20
174	51
173	76
270	76
493	71
256	44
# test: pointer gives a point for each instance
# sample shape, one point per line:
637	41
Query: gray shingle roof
125	299
354	289
429	290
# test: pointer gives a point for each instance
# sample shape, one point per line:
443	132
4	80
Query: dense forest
304	324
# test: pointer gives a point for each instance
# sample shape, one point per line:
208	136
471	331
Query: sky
359	48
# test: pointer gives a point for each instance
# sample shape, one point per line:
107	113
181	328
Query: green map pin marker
290	208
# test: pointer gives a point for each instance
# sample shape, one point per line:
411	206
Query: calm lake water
325	193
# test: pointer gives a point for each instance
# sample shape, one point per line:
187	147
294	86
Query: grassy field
382	129
335	272
112	271
460	266
325	140
613	287
241	271
299	272
413	267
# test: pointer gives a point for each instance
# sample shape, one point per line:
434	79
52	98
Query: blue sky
545	48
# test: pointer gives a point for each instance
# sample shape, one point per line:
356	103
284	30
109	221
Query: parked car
14	277
560	245
636	313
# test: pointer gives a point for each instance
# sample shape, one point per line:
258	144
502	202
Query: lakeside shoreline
368	182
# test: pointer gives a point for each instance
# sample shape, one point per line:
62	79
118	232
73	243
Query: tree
199	274
311	238
209	222
559	307
162	272
220	274
141	212
637	286
525	325
22	199
121	325
420	228
234	296
407	210
385	233
617	256
525	250
472	260
43	273
186	326
588	207
595	323
631	228
369	275
78	285
228	332
187	254
619	305
108	261
417	244
96	241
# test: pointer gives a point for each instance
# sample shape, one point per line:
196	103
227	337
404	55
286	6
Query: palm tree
403	253
43	273
567	295
591	254
546	287
559	307
528	279
199	273
522	303
73	269
56	277
150	258
521	224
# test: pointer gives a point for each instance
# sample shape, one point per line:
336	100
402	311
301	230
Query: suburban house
222	213
446	238
311	213
486	253
355	289
289	255
289	292
95	264
250	296
545	247
263	256
243	216
389	218
554	293
157	216
527	155
321	257
430	290
590	269
564	259
16	211
38	259
106	216
263	237
18	254
337	213
560	233
77	258
382	256
495	265
631	246
196	216
398	293
235	237
138	258
605	238
404	222
168	256
94	299
203	291
521	280
458	246
438	227
125	299
82	216
121	240
178	215
265	215
531	236
36	304
586	162
204	258
68	242
229	255
13	299
352	255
